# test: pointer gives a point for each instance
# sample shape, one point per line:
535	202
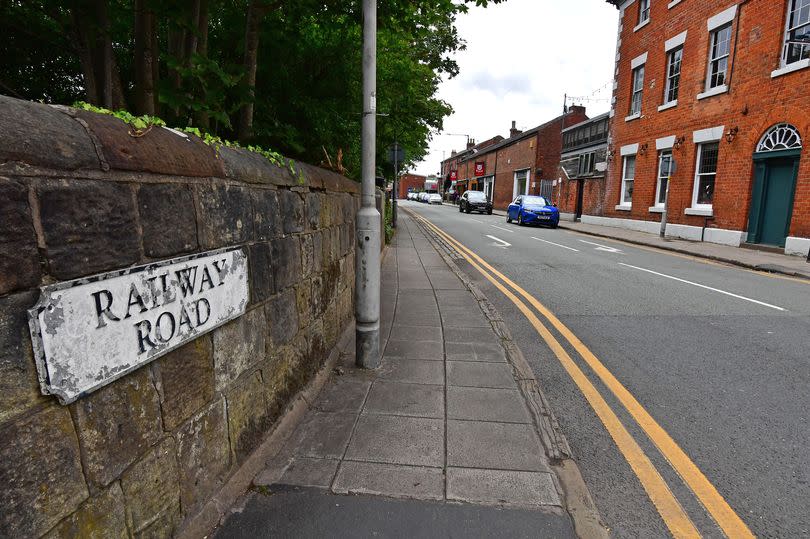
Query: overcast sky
522	57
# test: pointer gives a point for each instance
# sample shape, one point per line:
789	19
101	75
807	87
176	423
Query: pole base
367	346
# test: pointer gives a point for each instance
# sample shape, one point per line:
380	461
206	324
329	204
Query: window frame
658	203
696	184
788	30
669	76
713	42
527	171
636	91
625	179
643	12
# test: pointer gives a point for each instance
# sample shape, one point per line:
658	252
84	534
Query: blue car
533	210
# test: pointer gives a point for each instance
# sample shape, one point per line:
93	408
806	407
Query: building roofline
589	120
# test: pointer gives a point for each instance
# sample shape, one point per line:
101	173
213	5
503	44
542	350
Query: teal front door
772	203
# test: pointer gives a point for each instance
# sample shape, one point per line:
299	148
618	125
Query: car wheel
508	219
460	209
554	225
467	210
489	212
520	219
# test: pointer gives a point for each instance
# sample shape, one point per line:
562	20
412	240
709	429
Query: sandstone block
151	487
238	345
260	256
313	210
19	257
39	487
185	380
19	388
101	517
266	214
117	424
203	456
286	258
282	317
307	255
292	211
303	299
226	216
248	419
89	227
168	219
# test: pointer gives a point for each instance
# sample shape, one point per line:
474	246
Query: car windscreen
476	196
535	201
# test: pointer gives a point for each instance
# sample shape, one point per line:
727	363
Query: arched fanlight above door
780	137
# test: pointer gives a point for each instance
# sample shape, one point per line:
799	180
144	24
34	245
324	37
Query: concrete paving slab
390	480
471	336
415	371
478	374
456	298
322	435
415	441
397	398
309	472
415	333
431	350
445	280
492	353
497	446
343	394
502	487
460	317
486	404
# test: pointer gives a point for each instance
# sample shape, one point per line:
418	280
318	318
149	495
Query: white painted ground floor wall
793	245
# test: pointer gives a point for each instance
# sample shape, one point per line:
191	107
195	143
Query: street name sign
91	331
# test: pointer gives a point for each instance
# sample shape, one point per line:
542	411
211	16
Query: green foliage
138	122
389	220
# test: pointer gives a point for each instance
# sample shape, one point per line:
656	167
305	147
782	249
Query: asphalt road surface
718	356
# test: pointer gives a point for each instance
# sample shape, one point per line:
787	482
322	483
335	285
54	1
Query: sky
522	57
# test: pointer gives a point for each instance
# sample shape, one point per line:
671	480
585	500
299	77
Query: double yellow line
674	516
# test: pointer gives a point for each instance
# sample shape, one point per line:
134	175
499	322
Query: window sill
703	212
624	207
641	25
790	68
673	4
656	209
669	105
632	117
713	91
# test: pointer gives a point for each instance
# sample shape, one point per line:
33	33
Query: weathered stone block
39	487
292	211
286	262
346	238
317	251
151	487
100	517
313	210
303	299
307	255
348	208
266	214
19	257
282	377
89	227
225	216
334	244
117	424
282	317
261	272
168	219
331	325
327	210
203	456
238	345
252	167
248	419
19	388
38	134
185	380
317	352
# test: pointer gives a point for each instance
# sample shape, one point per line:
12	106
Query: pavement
715	353
749	258
450	437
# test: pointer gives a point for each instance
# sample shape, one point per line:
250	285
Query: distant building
409	182
582	168
711	101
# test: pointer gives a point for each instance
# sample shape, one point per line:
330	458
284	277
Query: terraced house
708	122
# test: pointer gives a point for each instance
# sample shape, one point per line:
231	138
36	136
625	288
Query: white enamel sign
91	331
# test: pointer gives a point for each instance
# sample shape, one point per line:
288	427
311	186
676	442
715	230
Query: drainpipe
367	227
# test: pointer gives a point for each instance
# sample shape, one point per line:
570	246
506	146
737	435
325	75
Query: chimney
514	131
576	108
470	143
453	153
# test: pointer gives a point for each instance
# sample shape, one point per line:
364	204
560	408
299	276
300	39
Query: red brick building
711	101
409	182
524	163
581	188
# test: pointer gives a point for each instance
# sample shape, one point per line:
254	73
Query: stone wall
80	195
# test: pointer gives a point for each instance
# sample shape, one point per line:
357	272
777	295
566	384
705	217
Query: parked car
475	201
423	197
410	195
533	210
434	198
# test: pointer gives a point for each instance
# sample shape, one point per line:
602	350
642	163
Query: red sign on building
480	168
453	174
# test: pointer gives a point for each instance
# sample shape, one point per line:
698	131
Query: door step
763	247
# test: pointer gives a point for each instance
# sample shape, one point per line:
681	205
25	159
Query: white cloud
522	57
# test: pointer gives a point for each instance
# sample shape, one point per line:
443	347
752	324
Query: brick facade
582	168
757	94
413	182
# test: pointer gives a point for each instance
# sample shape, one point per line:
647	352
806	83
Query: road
716	359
